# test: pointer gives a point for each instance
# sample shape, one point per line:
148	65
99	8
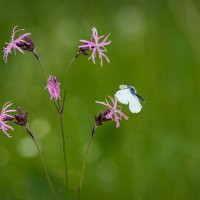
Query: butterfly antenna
140	97
124	78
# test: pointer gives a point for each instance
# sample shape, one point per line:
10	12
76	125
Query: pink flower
13	44
95	46
53	87
113	110
5	117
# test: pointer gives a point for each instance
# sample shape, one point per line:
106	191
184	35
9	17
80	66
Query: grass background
156	48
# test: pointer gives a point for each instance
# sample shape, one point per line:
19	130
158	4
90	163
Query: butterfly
128	95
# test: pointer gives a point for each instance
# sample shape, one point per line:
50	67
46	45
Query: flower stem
40	62
85	162
64	151
27	128
60	109
65	83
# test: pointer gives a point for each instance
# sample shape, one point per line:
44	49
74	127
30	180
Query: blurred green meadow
155	155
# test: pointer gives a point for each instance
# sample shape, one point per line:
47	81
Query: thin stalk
64	154
43	161
85	161
65	83
40	62
60	194
60	109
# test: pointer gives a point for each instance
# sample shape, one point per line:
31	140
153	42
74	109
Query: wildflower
110	112
95	46
53	87
5	117
16	43
21	118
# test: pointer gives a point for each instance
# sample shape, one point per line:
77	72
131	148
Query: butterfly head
132	90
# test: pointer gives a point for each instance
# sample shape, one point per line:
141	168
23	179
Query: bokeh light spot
127	15
106	170
40	127
27	148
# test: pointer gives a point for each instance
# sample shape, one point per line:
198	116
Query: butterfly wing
123	96
134	104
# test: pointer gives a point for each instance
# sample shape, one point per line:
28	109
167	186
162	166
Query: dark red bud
102	118
21	118
26	45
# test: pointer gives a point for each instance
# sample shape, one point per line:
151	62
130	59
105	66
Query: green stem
65	83
40	62
85	162
60	109
42	159
60	192
64	154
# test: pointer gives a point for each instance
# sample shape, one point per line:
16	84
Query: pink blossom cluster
113	112
96	46
5	117
13	44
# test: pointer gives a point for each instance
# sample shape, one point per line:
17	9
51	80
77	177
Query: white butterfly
127	95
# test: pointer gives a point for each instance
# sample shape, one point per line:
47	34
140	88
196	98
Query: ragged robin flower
17	43
95	46
111	113
5	117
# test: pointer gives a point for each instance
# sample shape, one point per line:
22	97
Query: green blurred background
155	155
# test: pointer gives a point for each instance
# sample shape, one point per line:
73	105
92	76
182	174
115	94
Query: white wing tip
134	105
136	110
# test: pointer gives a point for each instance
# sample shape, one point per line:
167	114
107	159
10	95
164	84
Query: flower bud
21	118
102	117
26	45
53	87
